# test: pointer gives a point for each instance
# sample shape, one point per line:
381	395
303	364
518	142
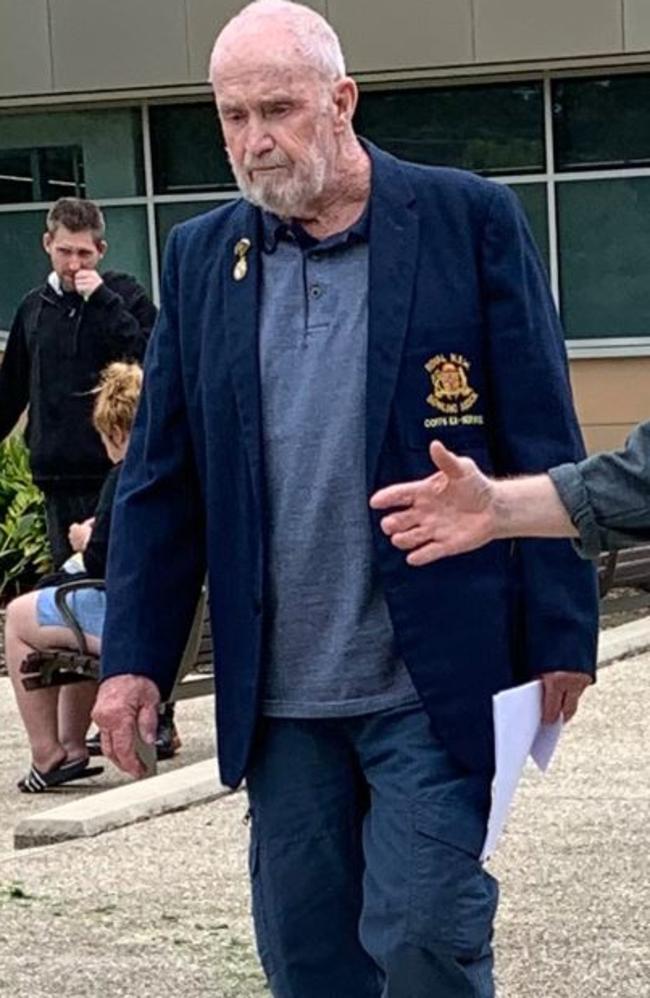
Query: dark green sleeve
607	495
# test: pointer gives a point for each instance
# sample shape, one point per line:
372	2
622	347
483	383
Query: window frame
583	348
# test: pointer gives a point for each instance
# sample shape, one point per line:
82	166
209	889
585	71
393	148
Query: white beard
287	193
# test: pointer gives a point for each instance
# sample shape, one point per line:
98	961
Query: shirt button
315	291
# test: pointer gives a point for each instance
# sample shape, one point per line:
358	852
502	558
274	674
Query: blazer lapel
394	232
240	280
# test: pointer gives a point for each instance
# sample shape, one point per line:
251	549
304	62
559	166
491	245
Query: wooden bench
630	569
59	667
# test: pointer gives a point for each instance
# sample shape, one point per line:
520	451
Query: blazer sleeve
156	559
607	495
533	427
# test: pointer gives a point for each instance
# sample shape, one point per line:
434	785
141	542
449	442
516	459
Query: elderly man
603	502
313	338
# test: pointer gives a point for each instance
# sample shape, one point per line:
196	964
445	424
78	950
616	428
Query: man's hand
123	704
79	534
86	282
561	693
448	513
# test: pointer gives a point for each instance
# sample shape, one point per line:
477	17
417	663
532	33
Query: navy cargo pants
364	843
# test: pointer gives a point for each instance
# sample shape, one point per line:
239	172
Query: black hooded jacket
57	347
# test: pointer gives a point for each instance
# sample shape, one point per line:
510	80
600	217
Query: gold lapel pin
242	246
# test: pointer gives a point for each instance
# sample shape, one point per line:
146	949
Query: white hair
316	40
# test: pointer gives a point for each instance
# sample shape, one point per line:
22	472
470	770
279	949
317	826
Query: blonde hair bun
117	397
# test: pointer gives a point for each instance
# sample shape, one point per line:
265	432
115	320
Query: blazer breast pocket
441	396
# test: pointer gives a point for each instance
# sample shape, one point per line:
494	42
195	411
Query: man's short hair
77	215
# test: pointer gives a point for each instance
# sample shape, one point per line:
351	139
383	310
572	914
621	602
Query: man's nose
258	139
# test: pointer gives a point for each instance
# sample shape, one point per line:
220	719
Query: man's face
71	252
278	125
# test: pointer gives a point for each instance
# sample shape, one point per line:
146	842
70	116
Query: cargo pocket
452	899
260	912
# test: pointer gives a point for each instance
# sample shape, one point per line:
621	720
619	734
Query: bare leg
38	708
75	704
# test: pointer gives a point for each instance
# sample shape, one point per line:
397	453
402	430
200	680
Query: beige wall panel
205	20
611	395
398	34
124	43
25	63
637	25
598	438
531	29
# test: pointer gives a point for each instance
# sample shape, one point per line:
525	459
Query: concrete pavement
91	813
161	908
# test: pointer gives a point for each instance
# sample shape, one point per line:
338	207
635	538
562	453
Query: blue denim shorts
88	606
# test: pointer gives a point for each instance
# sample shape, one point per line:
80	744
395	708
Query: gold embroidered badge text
451	391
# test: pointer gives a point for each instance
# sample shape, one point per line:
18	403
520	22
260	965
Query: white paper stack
519	733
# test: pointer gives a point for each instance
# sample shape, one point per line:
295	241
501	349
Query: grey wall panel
25	63
637	25
124	43
529	29
205	20
400	34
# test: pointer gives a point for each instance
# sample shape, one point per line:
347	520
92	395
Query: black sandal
37	782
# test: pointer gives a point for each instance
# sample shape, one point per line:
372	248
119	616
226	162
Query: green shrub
24	550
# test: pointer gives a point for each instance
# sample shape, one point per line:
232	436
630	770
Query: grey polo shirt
329	649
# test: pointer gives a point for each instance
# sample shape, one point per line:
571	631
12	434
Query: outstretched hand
450	512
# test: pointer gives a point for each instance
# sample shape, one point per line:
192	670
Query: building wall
611	397
64	46
62	49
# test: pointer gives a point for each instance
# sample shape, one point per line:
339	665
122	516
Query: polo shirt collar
277	229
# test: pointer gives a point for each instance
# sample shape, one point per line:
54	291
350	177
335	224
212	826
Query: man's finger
107	745
445	460
552	700
148	723
397	522
393	496
570	705
426	554
407	540
123	746
112	751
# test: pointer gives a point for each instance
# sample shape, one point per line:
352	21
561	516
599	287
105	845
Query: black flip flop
37	782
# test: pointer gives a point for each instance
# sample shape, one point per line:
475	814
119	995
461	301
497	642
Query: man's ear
47	242
102	246
346	97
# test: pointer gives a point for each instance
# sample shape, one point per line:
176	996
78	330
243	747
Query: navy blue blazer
464	345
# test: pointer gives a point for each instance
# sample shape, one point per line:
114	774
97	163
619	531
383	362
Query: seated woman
56	719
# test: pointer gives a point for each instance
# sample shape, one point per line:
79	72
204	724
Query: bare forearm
530	507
